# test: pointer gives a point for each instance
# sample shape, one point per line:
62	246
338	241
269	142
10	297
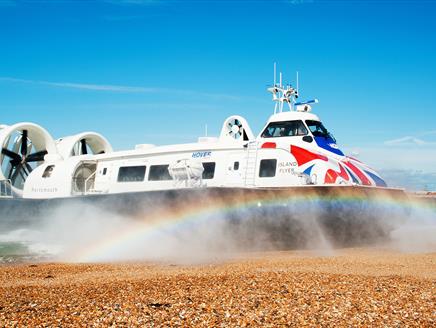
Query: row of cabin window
157	173
160	172
267	169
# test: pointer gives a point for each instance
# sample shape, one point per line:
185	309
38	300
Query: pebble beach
350	287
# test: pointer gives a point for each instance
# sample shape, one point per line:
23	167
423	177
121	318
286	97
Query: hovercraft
293	157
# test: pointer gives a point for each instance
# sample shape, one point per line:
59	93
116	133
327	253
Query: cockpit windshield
285	129
318	130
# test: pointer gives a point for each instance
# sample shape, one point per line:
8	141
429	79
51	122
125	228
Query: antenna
283	94
275	73
205	130
297	83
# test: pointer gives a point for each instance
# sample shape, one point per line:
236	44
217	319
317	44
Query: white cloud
84	86
407	140
120	88
101	87
400	158
425	138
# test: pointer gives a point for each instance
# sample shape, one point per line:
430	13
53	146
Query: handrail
86	181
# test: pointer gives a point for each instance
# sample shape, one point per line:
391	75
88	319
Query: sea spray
416	233
198	229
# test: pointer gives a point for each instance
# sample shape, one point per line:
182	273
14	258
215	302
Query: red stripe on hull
332	175
362	177
303	156
269	145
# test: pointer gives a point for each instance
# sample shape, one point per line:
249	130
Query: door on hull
104	177
234	171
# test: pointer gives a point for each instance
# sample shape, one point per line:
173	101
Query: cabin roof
168	149
293	115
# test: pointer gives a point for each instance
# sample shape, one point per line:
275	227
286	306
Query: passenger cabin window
209	170
285	129
318	130
131	173
104	171
267	168
159	173
236	166
48	171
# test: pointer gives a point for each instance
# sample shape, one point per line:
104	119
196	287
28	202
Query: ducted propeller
235	128
85	143
19	167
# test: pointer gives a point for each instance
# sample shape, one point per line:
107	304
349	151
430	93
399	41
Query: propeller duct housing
83	144
23	148
236	128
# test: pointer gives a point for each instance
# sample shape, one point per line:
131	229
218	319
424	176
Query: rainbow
174	219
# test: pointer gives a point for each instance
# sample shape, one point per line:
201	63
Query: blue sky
157	71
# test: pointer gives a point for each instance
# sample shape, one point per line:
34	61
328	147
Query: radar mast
282	94
287	94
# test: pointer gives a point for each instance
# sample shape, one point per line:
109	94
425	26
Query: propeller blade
15	175
29	169
22	175
24	143
83	145
11	154
36	157
11	170
15	162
